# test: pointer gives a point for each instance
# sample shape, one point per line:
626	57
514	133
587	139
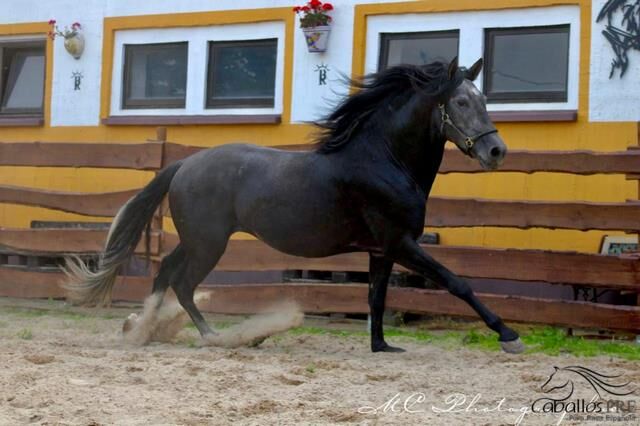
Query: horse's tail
88	287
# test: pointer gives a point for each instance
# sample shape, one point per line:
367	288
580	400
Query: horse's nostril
496	152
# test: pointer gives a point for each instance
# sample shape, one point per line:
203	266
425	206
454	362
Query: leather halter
469	141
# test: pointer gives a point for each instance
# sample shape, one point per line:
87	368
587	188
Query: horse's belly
302	236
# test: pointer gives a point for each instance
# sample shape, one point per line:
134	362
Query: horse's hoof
129	323
256	342
387	348
513	347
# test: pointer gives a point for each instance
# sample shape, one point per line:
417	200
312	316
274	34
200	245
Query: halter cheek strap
469	141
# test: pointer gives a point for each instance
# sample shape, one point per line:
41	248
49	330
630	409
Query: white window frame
6	41
198	39
471	43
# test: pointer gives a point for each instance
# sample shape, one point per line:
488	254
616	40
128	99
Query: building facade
215	72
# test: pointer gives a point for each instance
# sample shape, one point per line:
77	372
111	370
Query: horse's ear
474	71
453	67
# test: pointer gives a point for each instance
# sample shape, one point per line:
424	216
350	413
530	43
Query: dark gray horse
364	188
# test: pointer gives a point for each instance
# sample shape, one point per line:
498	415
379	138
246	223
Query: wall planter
75	45
317	38
314	21
73	38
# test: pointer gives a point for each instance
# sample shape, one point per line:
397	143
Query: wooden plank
352	298
104	204
34	241
144	156
346	298
15	282
577	162
147	156
174	152
442	212
554	267
464	212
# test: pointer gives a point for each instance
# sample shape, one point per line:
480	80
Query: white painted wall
82	108
615	99
68	107
610	100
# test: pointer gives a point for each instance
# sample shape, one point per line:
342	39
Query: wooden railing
519	266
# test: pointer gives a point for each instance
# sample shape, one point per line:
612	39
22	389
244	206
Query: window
241	73
155	76
22	70
526	64
417	48
201	74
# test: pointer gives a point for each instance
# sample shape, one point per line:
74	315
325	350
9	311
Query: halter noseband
469	141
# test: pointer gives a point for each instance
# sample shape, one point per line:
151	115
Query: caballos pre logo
610	401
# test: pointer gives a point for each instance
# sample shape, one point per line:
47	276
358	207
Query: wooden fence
521	266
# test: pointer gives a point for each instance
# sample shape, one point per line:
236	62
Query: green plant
25	334
314	14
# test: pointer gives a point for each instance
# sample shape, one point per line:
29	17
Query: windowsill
21	121
523	116
178	120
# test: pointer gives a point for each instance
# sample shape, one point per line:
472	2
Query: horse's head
463	119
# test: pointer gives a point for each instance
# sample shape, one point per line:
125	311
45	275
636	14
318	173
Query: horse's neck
421	153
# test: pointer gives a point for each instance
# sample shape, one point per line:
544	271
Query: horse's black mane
377	90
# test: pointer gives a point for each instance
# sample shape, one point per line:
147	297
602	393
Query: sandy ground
60	368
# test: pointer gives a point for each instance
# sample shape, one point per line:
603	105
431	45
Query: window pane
528	63
418	48
242	73
155	75
23	79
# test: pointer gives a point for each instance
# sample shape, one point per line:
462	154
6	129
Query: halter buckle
469	143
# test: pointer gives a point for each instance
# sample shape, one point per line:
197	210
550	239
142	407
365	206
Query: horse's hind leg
194	267
144	326
168	268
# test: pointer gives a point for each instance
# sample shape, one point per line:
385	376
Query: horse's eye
462	103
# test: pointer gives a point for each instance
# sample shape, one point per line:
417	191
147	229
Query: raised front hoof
383	347
513	346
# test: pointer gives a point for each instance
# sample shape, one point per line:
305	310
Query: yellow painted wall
533	136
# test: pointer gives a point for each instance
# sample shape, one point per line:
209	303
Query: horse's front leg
410	255
379	272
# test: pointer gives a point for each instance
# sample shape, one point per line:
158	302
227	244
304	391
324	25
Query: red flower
327	6
52	21
315	4
296	9
76	26
305	8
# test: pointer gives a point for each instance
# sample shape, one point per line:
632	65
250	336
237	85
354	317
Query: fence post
638	197
636	177
156	221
